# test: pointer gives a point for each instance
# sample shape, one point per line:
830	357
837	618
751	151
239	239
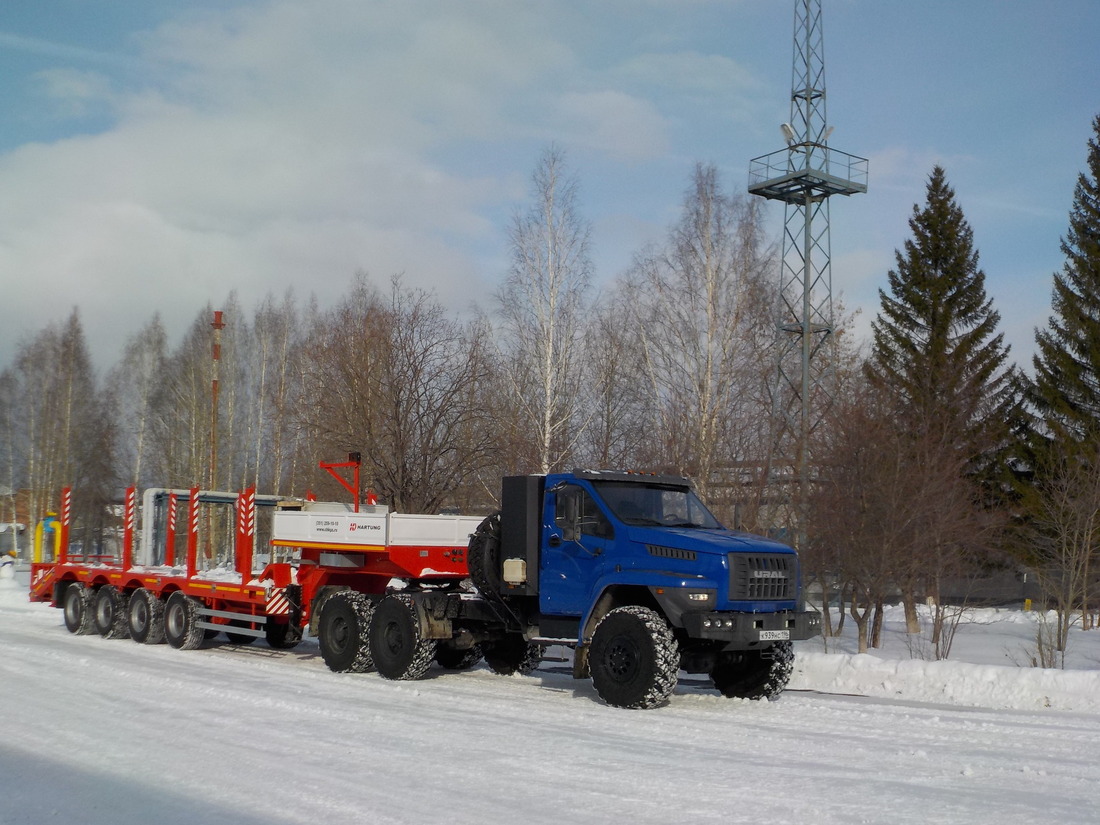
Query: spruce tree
936	348
1066	391
939	361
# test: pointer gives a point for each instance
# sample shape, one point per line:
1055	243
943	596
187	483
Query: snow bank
947	682
989	664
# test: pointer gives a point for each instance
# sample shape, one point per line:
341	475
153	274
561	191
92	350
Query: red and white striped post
192	531
246	532
66	521
128	518
170	531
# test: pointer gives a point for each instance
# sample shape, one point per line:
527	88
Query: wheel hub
622	659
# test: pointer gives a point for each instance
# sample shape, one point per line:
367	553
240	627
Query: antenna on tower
804	176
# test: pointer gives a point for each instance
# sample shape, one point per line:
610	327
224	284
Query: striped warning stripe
277	603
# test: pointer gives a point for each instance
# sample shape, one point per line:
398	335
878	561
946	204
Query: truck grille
757	577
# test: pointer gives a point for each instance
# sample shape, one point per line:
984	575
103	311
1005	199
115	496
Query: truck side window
576	512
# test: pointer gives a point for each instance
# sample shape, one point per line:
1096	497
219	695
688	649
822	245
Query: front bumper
742	631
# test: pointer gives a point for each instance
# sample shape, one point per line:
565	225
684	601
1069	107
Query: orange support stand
354	460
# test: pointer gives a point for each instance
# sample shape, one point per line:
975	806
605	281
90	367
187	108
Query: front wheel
181	622
634	658
76	608
398	650
342	627
754	674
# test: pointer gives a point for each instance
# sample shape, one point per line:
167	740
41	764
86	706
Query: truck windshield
655	506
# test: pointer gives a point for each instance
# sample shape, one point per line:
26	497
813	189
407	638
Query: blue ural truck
630	570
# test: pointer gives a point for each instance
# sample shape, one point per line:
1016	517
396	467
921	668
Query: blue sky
156	154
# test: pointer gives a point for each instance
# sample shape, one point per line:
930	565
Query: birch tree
133	386
700	306
541	305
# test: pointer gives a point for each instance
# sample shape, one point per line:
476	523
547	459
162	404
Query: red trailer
269	588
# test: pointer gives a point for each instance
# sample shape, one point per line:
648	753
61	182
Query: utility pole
212	484
218	326
804	176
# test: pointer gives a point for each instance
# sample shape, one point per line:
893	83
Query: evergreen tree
940	362
1066	391
936	347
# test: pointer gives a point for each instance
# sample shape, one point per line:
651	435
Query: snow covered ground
96	731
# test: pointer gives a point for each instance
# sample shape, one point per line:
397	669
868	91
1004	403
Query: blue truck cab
635	573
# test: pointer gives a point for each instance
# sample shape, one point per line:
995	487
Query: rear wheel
181	622
396	645
110	613
634	658
343	625
145	615
76	608
754	674
511	655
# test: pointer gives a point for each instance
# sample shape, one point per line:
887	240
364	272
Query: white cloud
612	122
275	145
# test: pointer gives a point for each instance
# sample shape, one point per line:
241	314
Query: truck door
575	538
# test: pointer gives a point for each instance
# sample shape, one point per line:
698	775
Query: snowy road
108	732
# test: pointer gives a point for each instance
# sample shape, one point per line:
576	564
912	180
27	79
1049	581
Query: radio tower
804	176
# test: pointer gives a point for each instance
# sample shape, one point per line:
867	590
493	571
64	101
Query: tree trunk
876	626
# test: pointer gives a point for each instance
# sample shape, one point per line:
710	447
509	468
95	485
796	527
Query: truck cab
577	548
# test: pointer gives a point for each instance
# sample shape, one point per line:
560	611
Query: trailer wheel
634	658
449	657
77	609
754	674
483	555
396	645
181	622
345	620
282	636
109	612
239	638
511	655
146	617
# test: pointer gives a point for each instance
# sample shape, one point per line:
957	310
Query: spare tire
483	556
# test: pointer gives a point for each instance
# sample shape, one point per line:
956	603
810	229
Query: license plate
775	635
